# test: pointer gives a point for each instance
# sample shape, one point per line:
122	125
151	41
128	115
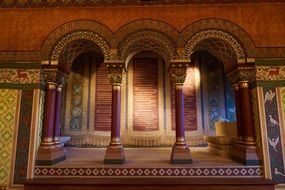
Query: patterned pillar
180	151
238	112
245	149
49	153
115	151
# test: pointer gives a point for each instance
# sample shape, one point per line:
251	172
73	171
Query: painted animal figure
274	72
269	95
274	143
22	74
273	121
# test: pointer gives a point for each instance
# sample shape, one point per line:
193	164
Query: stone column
180	151
49	153
115	151
245	149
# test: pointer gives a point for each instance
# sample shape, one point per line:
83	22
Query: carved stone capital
242	74
180	55
116	72
53	76
177	72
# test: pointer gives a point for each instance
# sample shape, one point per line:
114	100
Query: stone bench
225	138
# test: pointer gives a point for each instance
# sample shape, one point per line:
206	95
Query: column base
246	154
114	154
47	156
181	155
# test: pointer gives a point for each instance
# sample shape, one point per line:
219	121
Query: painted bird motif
274	143
269	95
276	172
273	121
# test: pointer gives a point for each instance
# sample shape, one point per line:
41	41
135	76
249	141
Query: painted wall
19	101
265	26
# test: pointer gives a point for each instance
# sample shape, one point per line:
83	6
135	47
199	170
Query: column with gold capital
245	149
180	151
57	113
115	150
49	153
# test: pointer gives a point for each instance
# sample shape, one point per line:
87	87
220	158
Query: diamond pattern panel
8	99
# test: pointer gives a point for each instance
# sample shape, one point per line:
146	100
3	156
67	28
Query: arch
74	30
78	35
145	24
224	26
147	40
215	34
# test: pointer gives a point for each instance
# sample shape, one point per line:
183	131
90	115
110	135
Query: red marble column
238	112
57	115
245	149
180	151
247	112
48	126
49	153
115	150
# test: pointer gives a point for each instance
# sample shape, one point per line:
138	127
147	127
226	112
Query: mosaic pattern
8	99
73	3
149	172
23	141
273	135
270	73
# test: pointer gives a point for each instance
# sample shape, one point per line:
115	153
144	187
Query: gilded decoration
214	34
128	45
242	74
116	72
178	73
78	35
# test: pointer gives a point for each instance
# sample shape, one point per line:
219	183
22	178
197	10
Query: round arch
147	41
201	36
77	30
225	28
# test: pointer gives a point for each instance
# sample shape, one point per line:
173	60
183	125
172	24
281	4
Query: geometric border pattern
148	172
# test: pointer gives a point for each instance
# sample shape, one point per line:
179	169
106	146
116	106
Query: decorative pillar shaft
116	115
115	151
50	152
57	114
179	115
244	150
48	130
247	112
180	151
238	112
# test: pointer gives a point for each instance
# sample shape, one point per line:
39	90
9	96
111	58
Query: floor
142	157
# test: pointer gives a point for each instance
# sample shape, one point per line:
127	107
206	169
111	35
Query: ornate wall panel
145	91
23	141
103	99
8	102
